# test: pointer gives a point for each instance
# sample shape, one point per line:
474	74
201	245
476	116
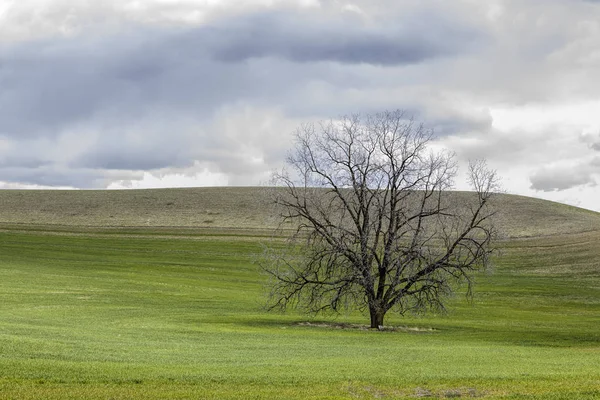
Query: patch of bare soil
343	325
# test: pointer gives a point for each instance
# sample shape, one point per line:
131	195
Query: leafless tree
376	226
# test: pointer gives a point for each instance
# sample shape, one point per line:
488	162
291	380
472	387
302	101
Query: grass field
123	310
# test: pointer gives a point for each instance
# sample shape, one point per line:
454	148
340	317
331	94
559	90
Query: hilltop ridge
240	208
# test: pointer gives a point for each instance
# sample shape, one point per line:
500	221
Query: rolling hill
144	294
241	208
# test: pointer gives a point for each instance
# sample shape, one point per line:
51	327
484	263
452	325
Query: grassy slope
238	208
97	315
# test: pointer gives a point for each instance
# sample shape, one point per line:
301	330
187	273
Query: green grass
154	313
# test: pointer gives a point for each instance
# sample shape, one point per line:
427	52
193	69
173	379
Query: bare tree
377	228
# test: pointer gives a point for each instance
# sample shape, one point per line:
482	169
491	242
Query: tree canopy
377	227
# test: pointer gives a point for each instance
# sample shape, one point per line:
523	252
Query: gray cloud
113	91
123	74
55	175
592	140
559	178
310	38
146	97
128	157
595	144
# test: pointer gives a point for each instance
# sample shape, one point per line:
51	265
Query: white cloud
14	185
195	176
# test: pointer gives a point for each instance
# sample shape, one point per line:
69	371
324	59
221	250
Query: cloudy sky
161	93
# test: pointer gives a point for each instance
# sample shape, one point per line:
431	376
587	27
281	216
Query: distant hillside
235	207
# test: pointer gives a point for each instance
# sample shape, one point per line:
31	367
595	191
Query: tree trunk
377	314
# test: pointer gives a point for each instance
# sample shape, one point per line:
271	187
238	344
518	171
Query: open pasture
165	309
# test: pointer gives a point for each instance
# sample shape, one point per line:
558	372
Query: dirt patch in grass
342	325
